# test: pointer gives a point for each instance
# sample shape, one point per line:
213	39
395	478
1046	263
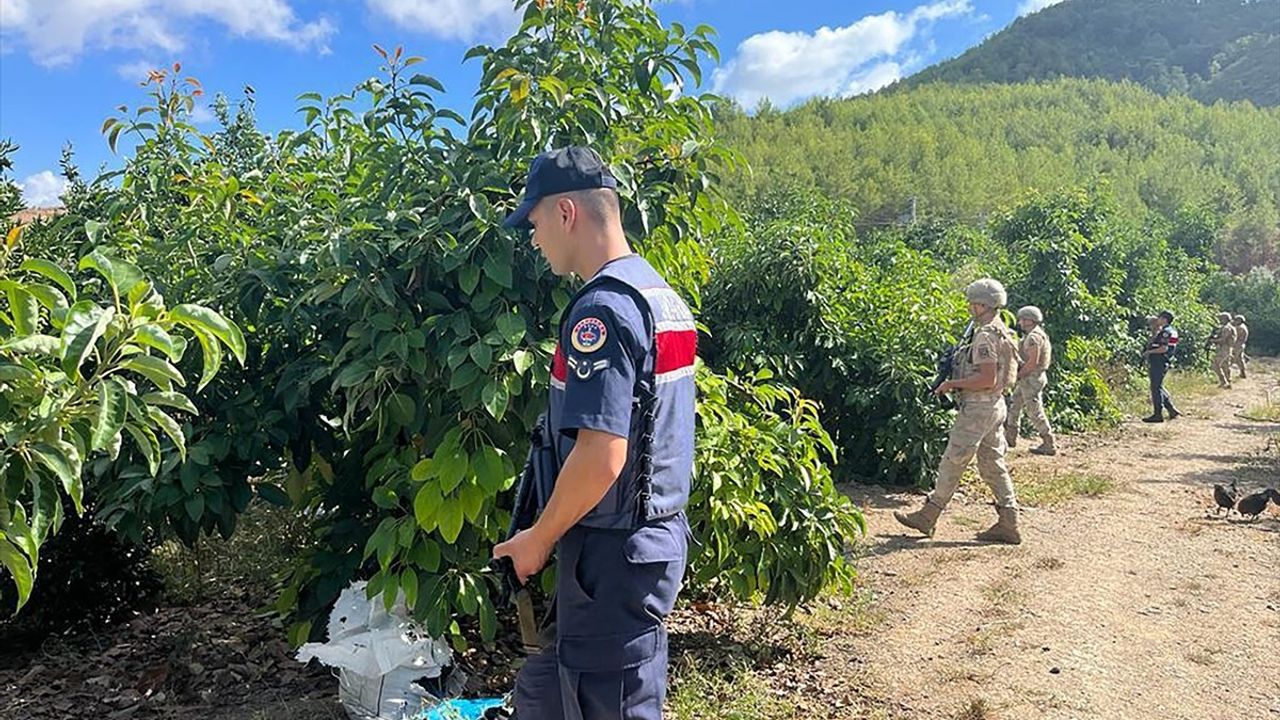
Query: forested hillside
1208	49
964	151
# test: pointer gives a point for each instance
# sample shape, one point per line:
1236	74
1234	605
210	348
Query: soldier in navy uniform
621	412
1159	353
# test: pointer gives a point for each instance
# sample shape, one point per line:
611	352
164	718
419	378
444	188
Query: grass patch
975	709
855	614
266	542
1266	411
1052	488
735	693
1186	387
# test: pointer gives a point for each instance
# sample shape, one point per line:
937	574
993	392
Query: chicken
1253	505
1225	498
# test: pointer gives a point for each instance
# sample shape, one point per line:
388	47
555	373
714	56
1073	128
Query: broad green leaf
523	360
468	278
53	300
211	353
421	470
202	318
174	400
426	506
154	336
402	408
488	620
52	272
63	459
158	371
495	398
426	555
85	324
121	275
489	469
147	444
34	344
10	372
195	507
390	591
511	327
450	468
22	534
94	230
409	583
482	354
498	270
450	516
472	497
170	428
112	410
25	310
19	569
273	494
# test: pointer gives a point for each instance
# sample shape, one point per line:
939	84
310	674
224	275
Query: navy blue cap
560	171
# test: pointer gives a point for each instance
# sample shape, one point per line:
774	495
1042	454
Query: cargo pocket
656	557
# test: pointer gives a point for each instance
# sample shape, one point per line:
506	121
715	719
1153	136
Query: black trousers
1156	370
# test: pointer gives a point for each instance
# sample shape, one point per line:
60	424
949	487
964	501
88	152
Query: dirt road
1132	605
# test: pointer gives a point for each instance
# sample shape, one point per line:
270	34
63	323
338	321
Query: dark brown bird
1253	505
1225	498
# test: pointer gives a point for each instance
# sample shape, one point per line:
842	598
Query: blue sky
66	64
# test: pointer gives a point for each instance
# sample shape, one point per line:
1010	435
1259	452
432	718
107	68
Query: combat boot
1011	438
1047	446
1005	530
924	519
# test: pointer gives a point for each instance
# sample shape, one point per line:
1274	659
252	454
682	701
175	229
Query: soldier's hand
944	388
528	553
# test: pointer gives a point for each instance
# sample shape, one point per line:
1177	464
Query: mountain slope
1208	49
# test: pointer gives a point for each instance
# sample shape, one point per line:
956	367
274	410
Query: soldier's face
978	309
551	234
1027	324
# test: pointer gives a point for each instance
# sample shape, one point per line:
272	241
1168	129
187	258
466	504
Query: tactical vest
1046	348
1006	360
655	481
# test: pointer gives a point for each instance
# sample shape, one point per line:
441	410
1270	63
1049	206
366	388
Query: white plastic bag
379	656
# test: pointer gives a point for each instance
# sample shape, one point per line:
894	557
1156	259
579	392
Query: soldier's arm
592	467
1032	363
984	379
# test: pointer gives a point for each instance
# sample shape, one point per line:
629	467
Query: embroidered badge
588	335
583	368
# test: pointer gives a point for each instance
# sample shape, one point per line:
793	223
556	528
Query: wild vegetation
391	343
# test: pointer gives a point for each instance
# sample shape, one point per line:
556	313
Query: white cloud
43	189
465	20
861	57
55	32
201	114
1030	6
137	71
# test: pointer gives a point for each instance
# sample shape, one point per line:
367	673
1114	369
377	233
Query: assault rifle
532	493
946	364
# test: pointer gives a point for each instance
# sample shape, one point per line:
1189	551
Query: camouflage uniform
1237	350
1029	392
1224	338
979	426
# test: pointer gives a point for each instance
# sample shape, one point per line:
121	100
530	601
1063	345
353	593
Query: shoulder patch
588	335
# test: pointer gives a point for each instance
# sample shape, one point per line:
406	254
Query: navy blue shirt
607	349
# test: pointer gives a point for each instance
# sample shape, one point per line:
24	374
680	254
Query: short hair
1168	316
600	203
